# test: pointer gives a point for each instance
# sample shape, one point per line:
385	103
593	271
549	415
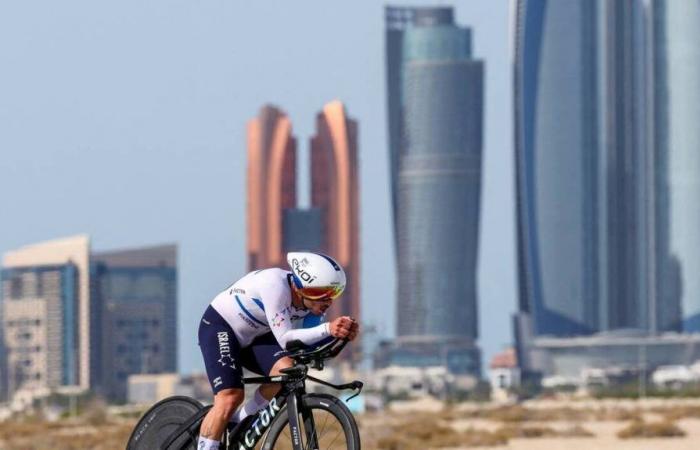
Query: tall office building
622	108
302	229
435	98
271	186
335	192
45	315
134	298
607	176
558	165
581	160
675	137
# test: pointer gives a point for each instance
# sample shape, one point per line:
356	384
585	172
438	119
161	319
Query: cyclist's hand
354	329
342	327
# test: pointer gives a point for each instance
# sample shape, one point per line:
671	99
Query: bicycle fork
309	425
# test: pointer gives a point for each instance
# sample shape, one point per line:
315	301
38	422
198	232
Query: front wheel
326	423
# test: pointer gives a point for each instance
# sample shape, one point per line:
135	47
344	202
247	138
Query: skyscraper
622	108
335	192
675	138
558	165
45	315
134	296
271	185
582	166
607	171
435	98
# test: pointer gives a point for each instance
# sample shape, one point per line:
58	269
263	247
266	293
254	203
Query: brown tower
271	185
334	190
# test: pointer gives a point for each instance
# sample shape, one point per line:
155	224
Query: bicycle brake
355	385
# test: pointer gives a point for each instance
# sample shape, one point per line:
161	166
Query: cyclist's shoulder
264	282
272	277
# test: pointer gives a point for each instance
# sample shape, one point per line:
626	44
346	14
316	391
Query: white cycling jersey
261	302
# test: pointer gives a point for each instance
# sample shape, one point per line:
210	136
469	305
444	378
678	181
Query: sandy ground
604	431
80	435
606	439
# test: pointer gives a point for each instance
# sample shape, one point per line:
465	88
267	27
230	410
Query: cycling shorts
224	358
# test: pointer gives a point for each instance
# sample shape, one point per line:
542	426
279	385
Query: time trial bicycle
293	420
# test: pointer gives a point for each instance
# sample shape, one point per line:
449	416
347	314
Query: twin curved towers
275	223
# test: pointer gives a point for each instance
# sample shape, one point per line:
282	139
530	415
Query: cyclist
250	323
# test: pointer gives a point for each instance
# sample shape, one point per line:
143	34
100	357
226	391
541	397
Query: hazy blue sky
126	120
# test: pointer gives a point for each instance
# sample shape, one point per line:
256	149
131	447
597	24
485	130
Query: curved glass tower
435	108
557	158
676	59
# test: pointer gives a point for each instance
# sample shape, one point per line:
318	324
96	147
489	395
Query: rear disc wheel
159	422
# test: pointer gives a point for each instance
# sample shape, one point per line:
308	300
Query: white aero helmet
316	276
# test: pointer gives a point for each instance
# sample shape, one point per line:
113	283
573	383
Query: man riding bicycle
250	323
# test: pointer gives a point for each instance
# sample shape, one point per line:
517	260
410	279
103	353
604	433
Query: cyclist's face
318	307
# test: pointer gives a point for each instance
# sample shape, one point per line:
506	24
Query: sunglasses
320	293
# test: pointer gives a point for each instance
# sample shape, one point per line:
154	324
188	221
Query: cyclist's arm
311	321
278	313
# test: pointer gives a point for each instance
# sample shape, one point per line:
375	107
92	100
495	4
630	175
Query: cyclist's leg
270	390
221	353
263	356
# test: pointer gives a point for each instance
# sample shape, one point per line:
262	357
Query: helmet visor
321	292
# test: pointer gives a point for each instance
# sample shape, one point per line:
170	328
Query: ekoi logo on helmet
297	266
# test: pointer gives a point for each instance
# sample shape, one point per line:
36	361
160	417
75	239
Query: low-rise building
619	355
504	375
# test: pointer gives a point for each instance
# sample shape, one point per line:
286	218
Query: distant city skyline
127	121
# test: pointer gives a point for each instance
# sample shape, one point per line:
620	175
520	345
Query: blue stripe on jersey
247	313
259	303
311	320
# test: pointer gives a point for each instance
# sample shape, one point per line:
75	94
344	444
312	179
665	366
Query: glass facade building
557	161
134	297
608	168
582	166
675	55
302	229
435	96
625	207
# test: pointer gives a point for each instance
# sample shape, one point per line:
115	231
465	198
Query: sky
126	121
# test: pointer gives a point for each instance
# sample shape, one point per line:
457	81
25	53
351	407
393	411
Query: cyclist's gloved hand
344	327
354	330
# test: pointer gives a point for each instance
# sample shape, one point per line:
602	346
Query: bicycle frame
246	439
